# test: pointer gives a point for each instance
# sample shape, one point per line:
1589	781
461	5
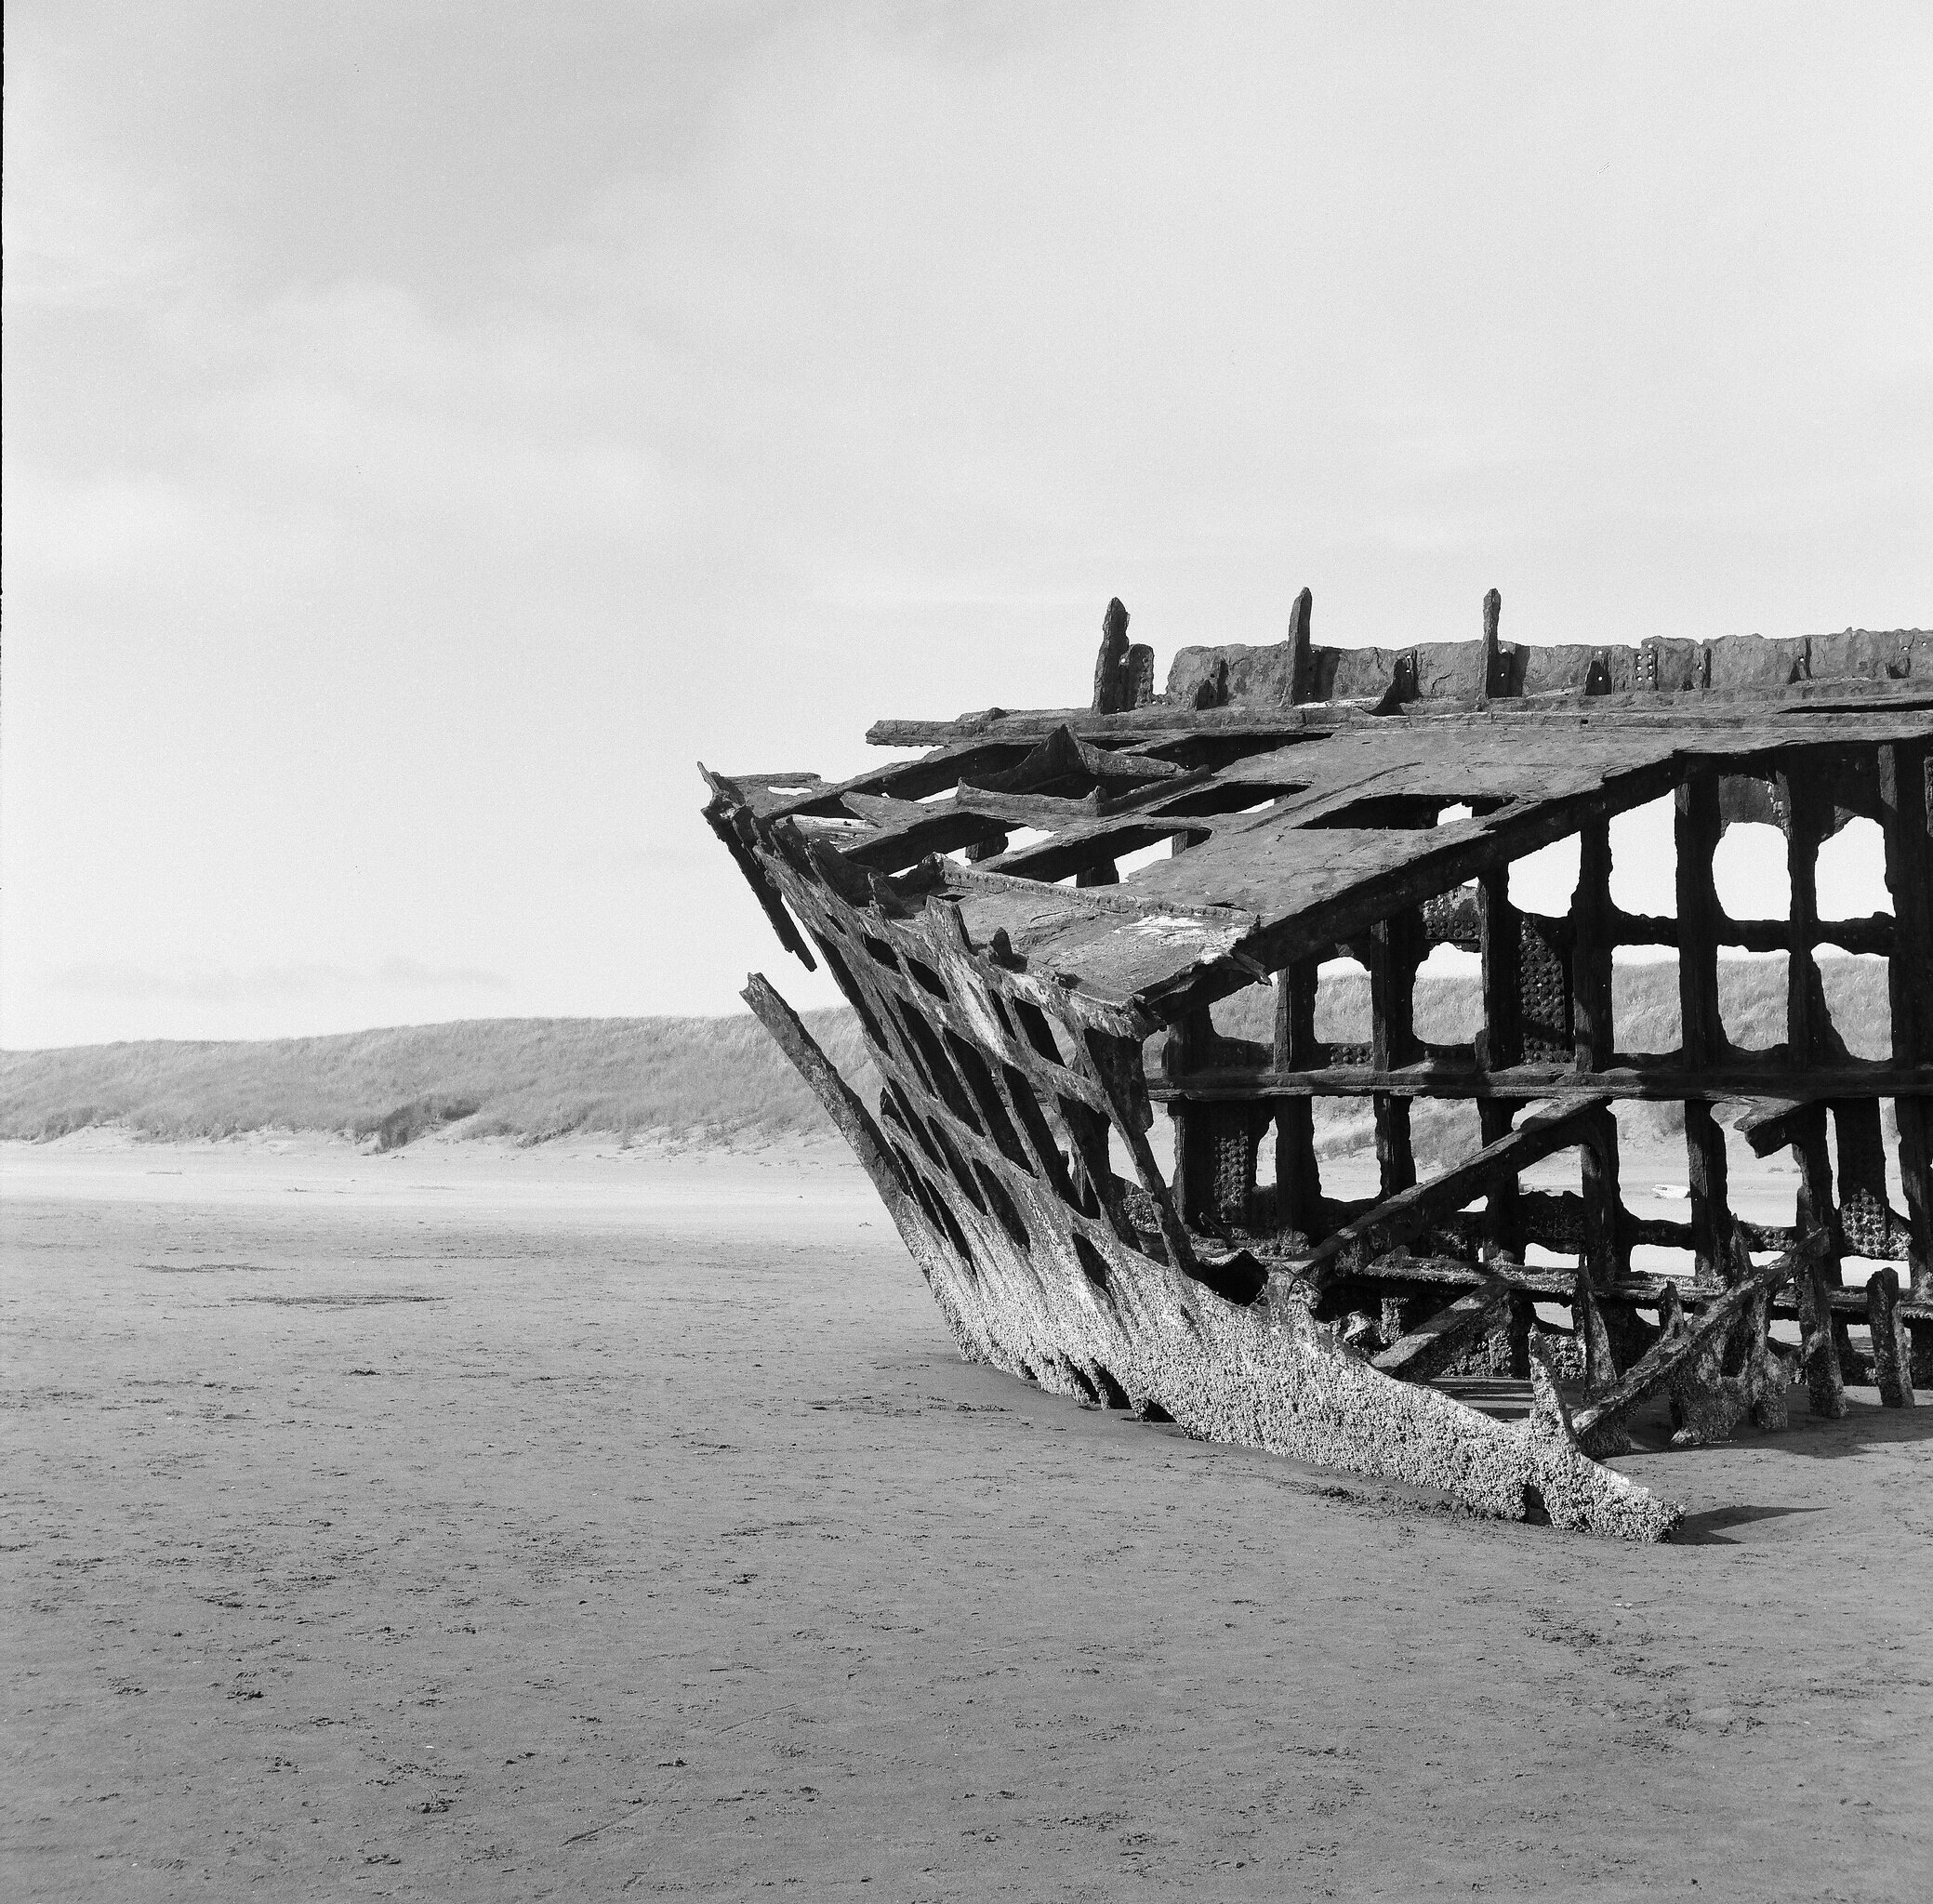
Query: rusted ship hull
1009	1014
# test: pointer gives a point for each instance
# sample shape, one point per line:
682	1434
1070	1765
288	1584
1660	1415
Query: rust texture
1029	1009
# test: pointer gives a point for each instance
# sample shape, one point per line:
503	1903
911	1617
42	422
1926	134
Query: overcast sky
431	428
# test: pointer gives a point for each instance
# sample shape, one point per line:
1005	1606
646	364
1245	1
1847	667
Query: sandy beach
488	1522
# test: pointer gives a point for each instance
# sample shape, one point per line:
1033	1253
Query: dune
720	1079
530	1079
1644	1009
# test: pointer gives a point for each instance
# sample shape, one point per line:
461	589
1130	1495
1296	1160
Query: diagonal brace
1394	1221
1436	1342
1671	1353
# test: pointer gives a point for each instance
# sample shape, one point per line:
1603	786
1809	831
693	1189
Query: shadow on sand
1865	1425
1707	1530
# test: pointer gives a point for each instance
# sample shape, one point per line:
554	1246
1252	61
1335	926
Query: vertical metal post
1697	831
1500	1044
1396	950
1298	1175
1822	1334
1903	813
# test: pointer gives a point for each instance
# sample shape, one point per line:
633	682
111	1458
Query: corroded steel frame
1008	1016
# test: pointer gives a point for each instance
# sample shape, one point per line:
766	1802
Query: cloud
204	983
421	446
83	232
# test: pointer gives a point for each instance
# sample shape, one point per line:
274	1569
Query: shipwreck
1029	1007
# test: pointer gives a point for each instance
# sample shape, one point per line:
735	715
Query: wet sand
495	1524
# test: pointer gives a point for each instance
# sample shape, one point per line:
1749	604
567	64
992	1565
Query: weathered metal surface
1007	990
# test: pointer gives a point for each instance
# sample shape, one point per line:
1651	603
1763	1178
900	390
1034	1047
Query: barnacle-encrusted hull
1106	1324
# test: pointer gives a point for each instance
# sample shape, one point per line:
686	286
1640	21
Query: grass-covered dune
718	1077
1644	1004
1449	1008
527	1078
